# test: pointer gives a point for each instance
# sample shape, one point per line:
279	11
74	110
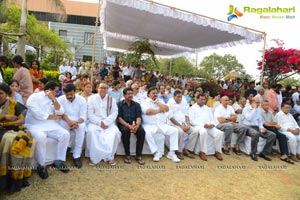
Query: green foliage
29	57
218	66
290	81
52	75
48	66
212	87
141	48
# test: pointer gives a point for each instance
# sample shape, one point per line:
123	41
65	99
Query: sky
287	30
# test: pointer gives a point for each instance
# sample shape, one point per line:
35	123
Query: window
88	38
87	58
62	33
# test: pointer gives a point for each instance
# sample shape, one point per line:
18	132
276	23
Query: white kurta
101	143
36	121
75	110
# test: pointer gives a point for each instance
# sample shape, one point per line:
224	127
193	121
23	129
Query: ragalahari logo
233	13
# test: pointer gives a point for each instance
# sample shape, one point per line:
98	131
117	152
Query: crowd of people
96	109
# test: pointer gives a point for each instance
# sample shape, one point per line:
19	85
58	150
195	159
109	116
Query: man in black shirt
129	121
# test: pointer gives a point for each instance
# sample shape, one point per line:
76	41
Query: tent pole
263	59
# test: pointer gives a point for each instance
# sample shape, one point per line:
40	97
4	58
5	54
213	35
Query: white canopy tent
172	32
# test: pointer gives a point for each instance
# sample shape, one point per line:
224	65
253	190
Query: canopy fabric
171	32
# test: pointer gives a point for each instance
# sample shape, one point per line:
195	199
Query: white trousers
215	133
294	142
60	134
101	143
76	137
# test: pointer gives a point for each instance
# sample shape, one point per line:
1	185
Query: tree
218	66
142	48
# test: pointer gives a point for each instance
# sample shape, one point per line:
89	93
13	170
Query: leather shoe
237	151
77	162
188	154
218	155
202	156
264	157
226	151
294	158
61	166
253	156
287	160
298	156
42	171
179	155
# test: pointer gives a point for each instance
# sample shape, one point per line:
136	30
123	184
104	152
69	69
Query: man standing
179	118
42	117
252	118
74	119
225	116
103	136
129	121
271	96
271	125
154	122
202	118
290	129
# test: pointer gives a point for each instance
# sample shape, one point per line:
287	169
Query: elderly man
103	136
179	118
74	119
154	122
129	121
271	125
42	117
225	117
202	119
253	119
290	129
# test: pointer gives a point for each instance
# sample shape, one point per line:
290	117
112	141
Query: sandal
287	160
140	160
112	163
127	160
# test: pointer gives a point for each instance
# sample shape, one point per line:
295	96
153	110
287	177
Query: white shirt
97	110
297	108
39	108
127	71
72	70
84	70
295	97
76	109
160	118
252	117
178	110
199	116
221	111
63	69
286	121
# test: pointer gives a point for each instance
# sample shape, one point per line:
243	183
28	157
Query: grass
236	177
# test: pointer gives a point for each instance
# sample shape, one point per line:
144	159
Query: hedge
51	75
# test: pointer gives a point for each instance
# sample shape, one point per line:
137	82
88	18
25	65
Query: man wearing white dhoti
179	118
103	136
73	120
202	118
154	122
42	117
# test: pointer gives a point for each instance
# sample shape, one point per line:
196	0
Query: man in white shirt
226	122
83	70
295	96
202	118
74	119
290	129
62	70
252	118
178	115
127	72
154	122
42	117
72	69
103	136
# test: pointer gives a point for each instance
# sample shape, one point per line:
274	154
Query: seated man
271	125
42	117
74	118
225	116
154	122
179	118
103	136
290	129
202	119
129	121
252	118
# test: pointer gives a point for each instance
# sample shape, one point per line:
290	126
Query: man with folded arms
178	115
271	125
225	116
129	121
74	118
252	118
290	129
41	119
154	122
202	119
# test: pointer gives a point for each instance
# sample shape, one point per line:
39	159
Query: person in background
14	89
115	92
36	73
3	63
87	90
42	83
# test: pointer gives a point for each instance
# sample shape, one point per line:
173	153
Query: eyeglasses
104	88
